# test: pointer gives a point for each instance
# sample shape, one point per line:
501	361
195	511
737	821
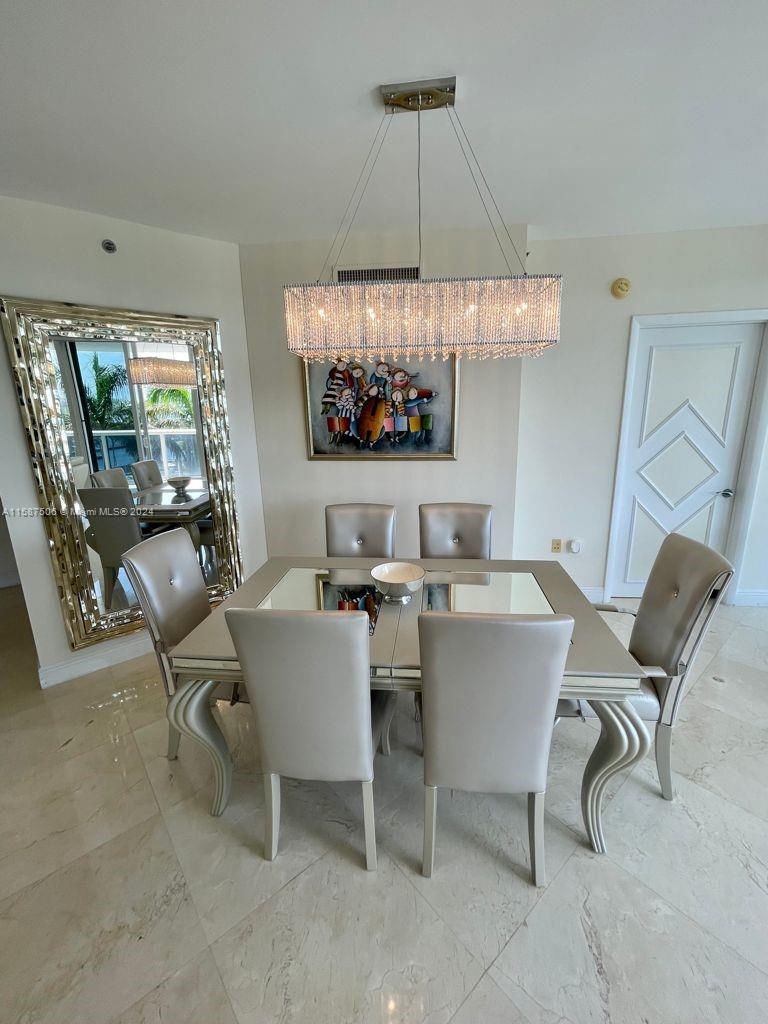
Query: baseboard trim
9	579
593	594
750	597
82	663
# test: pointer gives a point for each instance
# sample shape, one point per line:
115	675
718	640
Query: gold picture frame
348	450
29	327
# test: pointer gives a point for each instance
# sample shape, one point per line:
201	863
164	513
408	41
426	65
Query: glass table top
352	589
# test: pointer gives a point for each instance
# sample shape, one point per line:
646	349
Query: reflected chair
110	478
112	530
686	584
147	474
165	575
308	680
490	685
360	530
455	530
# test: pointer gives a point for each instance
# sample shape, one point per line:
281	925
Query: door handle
727	493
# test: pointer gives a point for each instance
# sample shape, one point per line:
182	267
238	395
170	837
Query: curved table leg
623	741
189	711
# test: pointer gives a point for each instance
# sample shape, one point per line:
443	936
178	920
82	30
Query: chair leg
272	821
664	759
174	737
110	579
536	837
430	825
369	822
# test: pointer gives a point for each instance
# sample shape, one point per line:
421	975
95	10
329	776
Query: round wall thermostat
620	288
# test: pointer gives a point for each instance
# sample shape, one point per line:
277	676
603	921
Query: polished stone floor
122	900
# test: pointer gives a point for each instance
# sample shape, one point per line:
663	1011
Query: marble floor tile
723	754
487	1004
701	854
736	688
56	730
602	948
223	858
755	617
481	885
343	944
193	995
59	810
83	944
747	645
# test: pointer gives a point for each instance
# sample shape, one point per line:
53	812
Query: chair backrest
455	529
165	574
146	474
686	583
360	530
490	685
110	478
112	526
308	680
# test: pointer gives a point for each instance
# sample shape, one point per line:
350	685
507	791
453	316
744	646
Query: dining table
165	504
598	667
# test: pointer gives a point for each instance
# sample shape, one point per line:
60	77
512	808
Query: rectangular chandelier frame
478	317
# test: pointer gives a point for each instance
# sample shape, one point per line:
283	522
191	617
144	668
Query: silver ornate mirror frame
29	325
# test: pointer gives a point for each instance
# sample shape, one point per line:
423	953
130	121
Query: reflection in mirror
131	416
125	417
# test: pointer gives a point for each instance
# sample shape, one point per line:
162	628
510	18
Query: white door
688	403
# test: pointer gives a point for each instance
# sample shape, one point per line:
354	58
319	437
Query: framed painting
382	410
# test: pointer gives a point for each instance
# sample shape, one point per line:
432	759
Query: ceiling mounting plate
429	94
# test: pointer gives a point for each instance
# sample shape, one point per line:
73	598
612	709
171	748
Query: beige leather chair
360	530
308	680
110	535
455	530
165	574
110	478
147	474
490	685
686	584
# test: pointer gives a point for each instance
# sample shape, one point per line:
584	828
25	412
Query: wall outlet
557	545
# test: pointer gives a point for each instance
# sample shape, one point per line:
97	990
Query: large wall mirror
126	421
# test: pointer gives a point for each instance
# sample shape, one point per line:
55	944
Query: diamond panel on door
677	470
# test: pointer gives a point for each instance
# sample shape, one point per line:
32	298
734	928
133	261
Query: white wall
295	489
51	253
571	400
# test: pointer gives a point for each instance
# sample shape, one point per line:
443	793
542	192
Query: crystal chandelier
476	317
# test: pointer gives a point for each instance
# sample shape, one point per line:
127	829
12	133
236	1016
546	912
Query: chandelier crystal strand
474	317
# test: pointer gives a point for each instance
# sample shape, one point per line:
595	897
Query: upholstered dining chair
147	474
686	584
165	575
308	680
360	530
455	529
111	533
110	478
490	685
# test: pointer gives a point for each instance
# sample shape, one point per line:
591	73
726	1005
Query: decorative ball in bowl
179	483
398	581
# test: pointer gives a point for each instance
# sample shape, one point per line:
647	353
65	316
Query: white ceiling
248	120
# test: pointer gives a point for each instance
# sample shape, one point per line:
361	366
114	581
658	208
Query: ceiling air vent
357	275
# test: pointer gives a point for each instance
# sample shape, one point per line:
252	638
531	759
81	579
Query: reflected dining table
163	504
598	668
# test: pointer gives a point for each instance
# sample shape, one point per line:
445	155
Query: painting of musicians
383	409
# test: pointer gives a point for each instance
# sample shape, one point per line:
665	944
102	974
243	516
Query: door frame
755	436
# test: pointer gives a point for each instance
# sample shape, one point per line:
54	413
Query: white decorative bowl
398	581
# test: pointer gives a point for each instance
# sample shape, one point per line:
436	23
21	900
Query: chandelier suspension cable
488	187
418	171
463	149
352	196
